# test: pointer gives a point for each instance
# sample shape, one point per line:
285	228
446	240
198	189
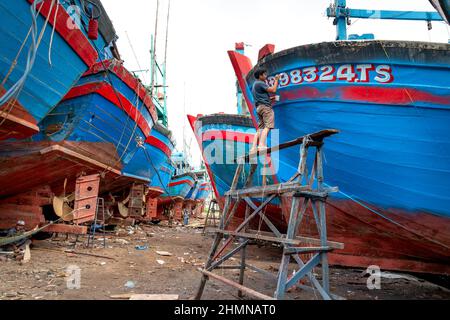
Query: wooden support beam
303	191
236	285
307	268
228	267
227	256
304	250
268	190
295	242
262	271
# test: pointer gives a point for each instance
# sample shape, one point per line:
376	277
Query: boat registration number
352	73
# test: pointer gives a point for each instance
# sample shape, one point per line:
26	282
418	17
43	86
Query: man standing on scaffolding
263	103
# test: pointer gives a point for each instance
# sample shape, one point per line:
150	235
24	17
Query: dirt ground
44	277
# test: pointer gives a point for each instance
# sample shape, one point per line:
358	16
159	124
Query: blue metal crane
342	14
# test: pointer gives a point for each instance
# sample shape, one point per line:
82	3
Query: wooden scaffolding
307	189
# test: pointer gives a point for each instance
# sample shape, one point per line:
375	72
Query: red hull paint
53	167
154	192
189	182
16	122
35	164
153	141
73	36
192	121
366	94
131	81
370	239
242	66
107	92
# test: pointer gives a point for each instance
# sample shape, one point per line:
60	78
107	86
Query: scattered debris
161	262
125	296
27	254
164	253
121	241
141	248
130	285
154	297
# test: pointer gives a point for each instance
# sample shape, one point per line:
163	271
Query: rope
53	34
9	240
13	93
110	168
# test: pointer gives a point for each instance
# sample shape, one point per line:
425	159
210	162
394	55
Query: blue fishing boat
203	192
161	147
179	187
183	181
223	138
390	100
46	47
108	105
192	194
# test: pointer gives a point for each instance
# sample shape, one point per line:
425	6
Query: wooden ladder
306	188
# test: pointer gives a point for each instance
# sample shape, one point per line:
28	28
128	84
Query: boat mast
153	52
342	14
240	48
164	118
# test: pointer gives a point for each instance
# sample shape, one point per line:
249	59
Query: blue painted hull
391	102
47	84
180	186
203	192
223	138
193	192
393	150
91	116
161	167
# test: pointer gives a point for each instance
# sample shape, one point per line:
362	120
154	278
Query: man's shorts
266	117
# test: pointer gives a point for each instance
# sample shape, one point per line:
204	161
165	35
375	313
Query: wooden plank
155	297
66	228
316	139
298	239
268	190
262	271
246	290
71	153
305	250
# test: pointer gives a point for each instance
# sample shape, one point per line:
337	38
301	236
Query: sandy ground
44	277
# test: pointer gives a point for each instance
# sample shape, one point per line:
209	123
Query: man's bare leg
255	142
263	139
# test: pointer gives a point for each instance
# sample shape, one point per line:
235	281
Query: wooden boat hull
111	107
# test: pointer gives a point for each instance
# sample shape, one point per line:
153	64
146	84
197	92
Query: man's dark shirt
260	94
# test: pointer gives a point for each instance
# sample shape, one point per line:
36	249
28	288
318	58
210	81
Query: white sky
201	32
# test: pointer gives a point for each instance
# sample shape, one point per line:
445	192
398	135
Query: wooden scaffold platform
307	189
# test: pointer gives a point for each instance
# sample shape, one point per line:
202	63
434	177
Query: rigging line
110	168
167	38
53	33
115	92
154	50
133	51
13	239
